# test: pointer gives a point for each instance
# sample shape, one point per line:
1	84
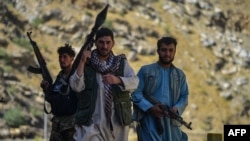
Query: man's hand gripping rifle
171	114
175	116
43	70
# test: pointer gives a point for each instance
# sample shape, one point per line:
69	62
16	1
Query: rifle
100	19
43	70
175	116
171	113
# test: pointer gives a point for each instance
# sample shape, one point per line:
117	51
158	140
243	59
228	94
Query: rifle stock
100	19
43	70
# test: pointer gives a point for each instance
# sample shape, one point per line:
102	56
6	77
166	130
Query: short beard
65	67
166	62
102	55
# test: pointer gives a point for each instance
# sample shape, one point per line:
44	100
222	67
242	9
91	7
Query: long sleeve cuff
130	83
77	82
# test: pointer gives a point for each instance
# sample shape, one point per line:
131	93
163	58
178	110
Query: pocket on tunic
124	111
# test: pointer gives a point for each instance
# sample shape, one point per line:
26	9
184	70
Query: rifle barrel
42	64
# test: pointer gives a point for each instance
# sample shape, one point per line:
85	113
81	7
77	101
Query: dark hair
167	41
66	49
104	32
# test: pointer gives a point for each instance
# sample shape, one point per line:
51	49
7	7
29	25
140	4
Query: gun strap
45	109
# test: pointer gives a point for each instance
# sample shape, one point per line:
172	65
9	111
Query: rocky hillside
213	50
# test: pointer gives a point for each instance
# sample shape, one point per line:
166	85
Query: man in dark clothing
63	120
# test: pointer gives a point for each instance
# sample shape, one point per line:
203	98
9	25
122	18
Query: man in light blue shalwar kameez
166	84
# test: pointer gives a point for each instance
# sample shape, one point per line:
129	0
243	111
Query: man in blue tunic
166	84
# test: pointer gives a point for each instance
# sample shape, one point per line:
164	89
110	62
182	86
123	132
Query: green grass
14	117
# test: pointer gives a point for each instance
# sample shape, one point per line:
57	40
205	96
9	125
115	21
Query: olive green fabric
87	99
62	128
